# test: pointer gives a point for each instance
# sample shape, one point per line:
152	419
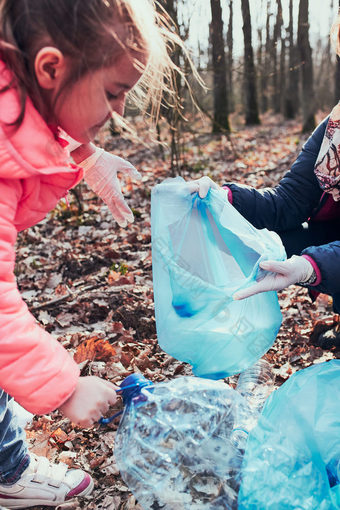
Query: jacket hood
32	149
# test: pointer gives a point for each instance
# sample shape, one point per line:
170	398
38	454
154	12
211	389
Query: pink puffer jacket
35	172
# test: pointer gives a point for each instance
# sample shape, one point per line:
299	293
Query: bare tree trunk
282	79
264	80
308	99
230	61
292	96
171	113
261	67
276	38
252	115
324	70
221	110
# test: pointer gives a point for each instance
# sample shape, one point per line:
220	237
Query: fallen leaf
113	276
59	436
94	349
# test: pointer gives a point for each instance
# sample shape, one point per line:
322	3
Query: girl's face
87	106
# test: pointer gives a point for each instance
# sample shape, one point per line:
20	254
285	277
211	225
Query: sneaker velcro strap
52	474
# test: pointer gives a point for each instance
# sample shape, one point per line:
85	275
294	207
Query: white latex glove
91	399
297	269
202	186
101	175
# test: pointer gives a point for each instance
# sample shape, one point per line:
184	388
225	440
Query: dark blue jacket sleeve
293	200
291	203
327	258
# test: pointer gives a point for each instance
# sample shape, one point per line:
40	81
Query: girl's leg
14	457
27	480
311	234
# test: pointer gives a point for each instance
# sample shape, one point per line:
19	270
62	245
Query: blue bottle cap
133	383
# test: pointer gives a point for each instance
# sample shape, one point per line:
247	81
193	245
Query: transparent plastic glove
202	186
101	175
282	274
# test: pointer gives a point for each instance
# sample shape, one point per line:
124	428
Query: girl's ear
49	67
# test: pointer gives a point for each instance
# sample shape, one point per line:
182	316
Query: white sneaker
45	483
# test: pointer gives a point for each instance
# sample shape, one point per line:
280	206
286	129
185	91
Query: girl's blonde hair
91	34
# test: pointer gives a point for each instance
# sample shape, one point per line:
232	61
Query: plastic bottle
173	445
255	384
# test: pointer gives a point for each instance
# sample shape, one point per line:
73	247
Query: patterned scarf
327	166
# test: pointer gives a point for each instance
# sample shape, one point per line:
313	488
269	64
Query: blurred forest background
255	57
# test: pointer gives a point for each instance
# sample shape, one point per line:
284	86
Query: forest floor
89	283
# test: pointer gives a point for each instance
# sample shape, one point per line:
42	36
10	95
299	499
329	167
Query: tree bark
275	71
264	76
308	98
261	67
292	95
282	80
251	113
230	60
221	110
171	113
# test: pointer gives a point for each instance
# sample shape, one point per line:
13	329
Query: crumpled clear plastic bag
174	445
292	459
203	251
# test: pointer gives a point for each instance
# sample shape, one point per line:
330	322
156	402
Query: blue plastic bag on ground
203	250
292	459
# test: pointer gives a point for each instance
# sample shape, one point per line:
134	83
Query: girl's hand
282	274
101	175
90	401
202	186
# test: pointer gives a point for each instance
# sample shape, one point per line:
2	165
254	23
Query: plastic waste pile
180	444
203	251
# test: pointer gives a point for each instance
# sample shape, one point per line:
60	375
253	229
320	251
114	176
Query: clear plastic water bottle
255	384
173	445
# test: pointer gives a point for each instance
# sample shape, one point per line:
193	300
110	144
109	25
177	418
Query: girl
65	67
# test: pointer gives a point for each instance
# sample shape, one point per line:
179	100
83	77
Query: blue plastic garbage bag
292	459
203	250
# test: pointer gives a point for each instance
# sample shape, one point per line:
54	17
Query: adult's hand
281	274
202	186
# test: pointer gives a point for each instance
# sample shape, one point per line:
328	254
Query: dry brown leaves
94	349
